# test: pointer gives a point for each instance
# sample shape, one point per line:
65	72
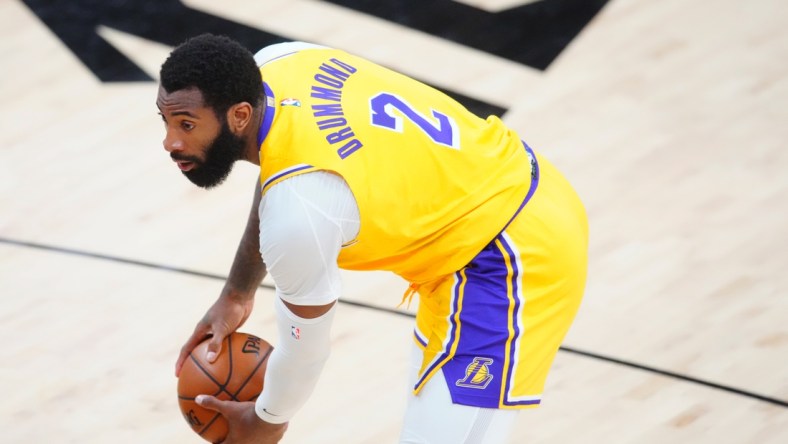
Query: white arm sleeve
279	50
304	221
295	364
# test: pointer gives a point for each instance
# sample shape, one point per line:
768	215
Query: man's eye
188	126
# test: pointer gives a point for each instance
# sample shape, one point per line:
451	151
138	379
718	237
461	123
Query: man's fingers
198	336
209	402
214	346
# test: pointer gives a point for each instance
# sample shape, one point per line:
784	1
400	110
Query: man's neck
252	150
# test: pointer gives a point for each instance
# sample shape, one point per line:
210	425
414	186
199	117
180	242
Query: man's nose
172	143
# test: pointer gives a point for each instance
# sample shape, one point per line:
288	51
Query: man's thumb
214	347
209	402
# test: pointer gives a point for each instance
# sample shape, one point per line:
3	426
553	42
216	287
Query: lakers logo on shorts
477	374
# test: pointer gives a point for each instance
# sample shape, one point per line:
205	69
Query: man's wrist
238	295
269	417
270	431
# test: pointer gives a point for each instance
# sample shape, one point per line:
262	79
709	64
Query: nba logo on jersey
477	374
290	102
295	332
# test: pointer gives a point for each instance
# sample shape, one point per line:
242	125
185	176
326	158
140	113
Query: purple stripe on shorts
474	375
517	273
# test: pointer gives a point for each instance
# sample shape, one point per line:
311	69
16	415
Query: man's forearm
295	364
248	269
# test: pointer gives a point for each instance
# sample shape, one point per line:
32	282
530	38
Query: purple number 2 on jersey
443	132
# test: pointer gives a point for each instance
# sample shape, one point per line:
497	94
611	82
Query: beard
220	156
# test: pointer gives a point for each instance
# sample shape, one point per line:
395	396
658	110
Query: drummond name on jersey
329	116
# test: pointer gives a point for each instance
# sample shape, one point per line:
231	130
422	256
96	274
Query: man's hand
224	317
245	427
235	303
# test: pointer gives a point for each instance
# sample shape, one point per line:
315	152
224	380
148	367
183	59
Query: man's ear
239	116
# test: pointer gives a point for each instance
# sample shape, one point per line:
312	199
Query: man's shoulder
281	50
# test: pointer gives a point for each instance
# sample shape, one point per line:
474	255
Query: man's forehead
187	98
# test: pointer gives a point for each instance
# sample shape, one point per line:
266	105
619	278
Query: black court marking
597	356
533	34
170	22
678	376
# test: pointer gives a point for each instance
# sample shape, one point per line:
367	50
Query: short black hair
223	70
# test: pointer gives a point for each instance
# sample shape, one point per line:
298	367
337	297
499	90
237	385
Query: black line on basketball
210	423
249	378
222	388
230	355
207	373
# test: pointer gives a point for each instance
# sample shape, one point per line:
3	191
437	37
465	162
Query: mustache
185	158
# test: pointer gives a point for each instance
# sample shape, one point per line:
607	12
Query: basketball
237	375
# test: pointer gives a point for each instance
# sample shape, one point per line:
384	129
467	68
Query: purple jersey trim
456	306
268	115
285	172
534	183
418	336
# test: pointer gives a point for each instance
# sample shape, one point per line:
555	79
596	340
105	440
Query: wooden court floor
669	117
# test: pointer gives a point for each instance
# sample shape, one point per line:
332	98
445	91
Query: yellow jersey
433	182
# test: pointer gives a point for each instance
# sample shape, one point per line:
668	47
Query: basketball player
366	169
